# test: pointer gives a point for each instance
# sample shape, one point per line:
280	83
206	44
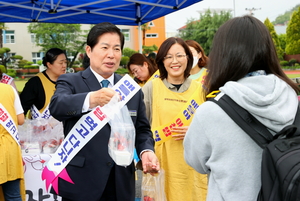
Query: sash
183	118
82	132
35	113
155	75
6	79
8	123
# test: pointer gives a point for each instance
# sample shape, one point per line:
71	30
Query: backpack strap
256	130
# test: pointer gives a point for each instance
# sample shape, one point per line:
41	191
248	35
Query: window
153	35
36	56
126	34
32	36
9	36
10	54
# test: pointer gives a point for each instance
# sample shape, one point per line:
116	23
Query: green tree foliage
282	41
204	29
11	72
4	58
282	19
68	37
149	49
275	38
3	69
293	34
128	52
124	61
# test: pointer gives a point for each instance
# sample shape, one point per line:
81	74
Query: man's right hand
101	97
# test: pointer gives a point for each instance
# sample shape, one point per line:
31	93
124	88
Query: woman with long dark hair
243	65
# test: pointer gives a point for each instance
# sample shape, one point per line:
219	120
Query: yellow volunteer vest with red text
182	182
11	165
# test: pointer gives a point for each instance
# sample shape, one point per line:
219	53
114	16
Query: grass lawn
293	75
20	84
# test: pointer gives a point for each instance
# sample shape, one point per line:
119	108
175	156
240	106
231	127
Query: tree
4	58
275	38
282	41
68	37
128	52
144	28
149	49
293	34
282	19
204	29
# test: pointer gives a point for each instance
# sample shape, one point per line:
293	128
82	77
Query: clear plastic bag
153	187
122	138
40	135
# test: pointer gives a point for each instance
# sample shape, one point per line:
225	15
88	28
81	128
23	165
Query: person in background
85	61
167	99
243	65
11	165
141	68
95	175
40	88
198	71
6	79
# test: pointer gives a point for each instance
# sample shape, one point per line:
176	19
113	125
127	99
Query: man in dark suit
95	175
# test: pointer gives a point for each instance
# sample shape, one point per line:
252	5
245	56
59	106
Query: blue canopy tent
119	12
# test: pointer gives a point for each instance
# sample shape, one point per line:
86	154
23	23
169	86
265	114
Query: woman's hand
178	133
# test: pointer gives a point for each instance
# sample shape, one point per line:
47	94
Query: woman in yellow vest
39	89
142	68
198	71
171	101
11	166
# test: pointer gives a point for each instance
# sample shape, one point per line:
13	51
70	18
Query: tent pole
140	38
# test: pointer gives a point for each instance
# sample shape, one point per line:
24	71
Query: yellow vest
181	181
11	166
49	89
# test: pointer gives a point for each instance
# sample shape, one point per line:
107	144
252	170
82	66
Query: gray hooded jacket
215	145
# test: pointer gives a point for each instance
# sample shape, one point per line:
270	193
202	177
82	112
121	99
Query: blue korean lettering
65	147
13	129
9	123
83	131
46	114
120	92
34	114
157	137
76	144
129	85
124	89
63	156
90	121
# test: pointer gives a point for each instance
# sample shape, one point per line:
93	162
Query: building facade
21	42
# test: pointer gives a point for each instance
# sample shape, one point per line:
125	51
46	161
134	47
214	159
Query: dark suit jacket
91	167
